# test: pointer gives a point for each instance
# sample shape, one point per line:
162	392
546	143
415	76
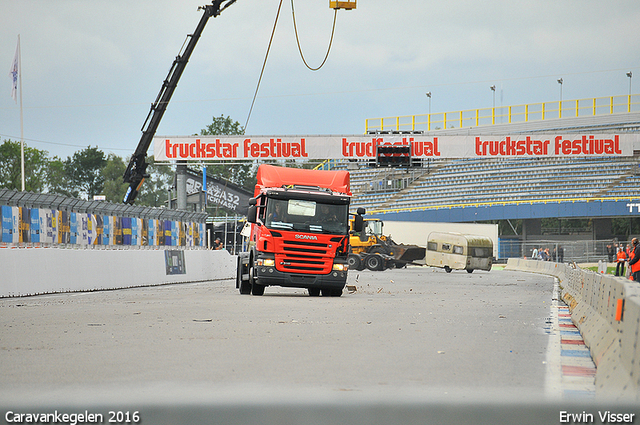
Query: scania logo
315	238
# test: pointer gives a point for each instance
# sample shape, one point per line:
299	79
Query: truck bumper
269	276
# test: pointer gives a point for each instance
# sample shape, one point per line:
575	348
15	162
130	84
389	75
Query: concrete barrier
48	270
606	310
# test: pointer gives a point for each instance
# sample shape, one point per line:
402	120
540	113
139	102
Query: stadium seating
473	181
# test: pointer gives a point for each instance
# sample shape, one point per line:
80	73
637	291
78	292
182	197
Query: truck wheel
336	292
469	270
354	261
243	284
374	262
314	292
331	292
245	287
256	288
447	269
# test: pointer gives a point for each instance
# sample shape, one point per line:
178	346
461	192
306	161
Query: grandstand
507	188
527	189
447	182
499	182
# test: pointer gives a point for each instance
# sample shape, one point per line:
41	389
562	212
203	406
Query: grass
610	270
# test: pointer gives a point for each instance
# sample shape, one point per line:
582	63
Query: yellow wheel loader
371	249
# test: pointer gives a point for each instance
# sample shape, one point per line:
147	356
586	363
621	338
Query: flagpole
21	116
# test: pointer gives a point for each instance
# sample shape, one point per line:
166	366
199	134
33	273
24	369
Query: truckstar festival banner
199	148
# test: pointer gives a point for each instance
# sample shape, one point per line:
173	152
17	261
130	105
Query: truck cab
299	233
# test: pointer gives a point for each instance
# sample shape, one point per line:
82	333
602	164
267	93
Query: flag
14	73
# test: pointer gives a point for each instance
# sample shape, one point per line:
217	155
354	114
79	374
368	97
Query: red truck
299	232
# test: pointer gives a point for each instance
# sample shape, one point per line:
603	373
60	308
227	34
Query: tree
35	167
114	188
241	173
222	125
154	191
84	171
56	177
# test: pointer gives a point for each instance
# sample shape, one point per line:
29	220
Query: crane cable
295	28
255	94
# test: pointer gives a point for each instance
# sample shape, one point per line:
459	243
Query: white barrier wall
47	270
606	310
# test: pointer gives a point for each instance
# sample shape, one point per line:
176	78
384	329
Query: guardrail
606	310
507	114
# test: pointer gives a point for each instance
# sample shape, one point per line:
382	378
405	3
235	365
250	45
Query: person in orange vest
621	258
634	262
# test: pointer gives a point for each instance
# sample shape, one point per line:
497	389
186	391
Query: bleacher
488	181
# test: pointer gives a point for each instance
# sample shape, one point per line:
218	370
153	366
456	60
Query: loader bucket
408	253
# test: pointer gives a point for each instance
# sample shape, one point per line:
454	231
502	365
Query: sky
91	69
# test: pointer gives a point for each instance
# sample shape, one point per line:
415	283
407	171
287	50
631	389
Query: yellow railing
507	114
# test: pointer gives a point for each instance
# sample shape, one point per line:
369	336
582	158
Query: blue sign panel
7	224
35	225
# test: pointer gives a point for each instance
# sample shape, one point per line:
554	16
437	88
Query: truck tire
374	262
331	292
242	284
355	262
257	289
314	292
447	269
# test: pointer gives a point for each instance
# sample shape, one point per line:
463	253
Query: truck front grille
305	247
304	257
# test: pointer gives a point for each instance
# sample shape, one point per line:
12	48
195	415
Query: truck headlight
340	267
267	262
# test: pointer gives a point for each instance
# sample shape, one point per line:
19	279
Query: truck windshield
307	216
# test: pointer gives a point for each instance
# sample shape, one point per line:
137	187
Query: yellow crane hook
346	5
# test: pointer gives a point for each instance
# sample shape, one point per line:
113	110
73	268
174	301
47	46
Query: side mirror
252	213
253	201
358	223
361	211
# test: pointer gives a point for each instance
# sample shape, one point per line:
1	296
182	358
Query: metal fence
562	251
34	219
228	229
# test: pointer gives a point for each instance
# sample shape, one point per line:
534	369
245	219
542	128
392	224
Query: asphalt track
398	334
415	327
